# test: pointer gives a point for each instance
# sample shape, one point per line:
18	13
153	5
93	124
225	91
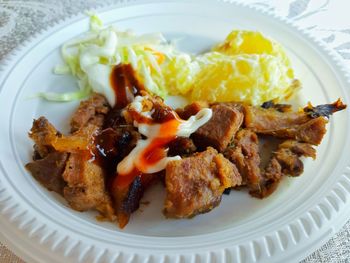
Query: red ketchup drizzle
126	86
153	153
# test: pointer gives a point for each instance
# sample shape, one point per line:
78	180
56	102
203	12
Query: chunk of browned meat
48	171
271	120
245	155
191	109
271	178
181	146
284	162
298	148
86	185
43	133
309	132
288	154
195	184
90	111
307	126
290	125
220	129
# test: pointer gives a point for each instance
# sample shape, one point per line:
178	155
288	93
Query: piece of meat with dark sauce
83	180
195	184
181	146
191	109
245	155
127	199
220	129
126	196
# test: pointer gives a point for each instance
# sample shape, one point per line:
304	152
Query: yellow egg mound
250	78
246	67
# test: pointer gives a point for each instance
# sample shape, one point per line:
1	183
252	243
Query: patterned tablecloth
326	19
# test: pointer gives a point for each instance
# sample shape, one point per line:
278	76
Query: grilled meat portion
195	184
82	166
48	171
245	155
270	120
90	111
220	129
86	185
289	125
67	166
43	133
285	161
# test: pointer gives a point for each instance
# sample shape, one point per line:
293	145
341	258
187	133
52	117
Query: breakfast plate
288	225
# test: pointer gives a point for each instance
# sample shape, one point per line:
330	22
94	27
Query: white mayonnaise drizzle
152	131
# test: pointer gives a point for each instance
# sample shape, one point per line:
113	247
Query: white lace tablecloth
328	20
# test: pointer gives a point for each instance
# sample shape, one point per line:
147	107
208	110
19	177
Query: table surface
326	19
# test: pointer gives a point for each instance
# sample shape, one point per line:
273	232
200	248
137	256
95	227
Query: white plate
302	214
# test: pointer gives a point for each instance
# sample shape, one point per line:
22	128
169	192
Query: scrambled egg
246	67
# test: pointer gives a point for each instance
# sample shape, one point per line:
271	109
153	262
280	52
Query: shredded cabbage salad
90	59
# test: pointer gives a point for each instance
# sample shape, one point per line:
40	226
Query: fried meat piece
43	133
195	184
48	171
284	162
86	185
288	154
245	155
309	132
289	125
90	111
220	129
307	126
270	120
77	177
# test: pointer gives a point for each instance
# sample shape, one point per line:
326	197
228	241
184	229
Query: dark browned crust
325	110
